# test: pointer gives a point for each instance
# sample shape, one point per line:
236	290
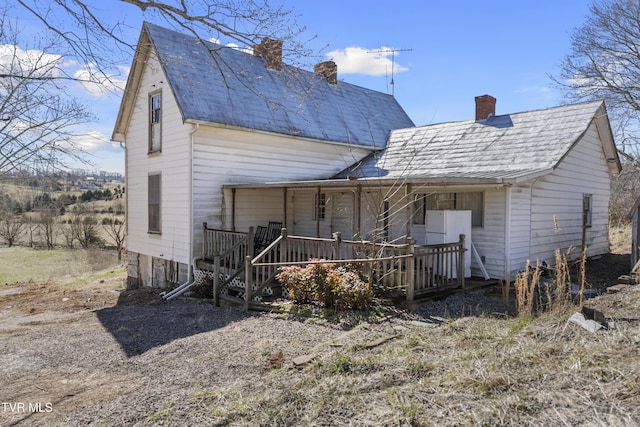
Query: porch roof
374	182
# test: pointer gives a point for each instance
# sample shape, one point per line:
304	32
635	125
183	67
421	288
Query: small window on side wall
587	209
155	122
154	194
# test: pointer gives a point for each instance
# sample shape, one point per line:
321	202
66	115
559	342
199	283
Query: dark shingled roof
235	88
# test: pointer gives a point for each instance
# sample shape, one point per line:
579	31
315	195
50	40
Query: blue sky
456	50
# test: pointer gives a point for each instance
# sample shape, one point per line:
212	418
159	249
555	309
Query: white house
237	140
196	116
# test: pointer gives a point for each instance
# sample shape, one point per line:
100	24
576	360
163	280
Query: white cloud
36	63
99	84
93	142
372	62
543	90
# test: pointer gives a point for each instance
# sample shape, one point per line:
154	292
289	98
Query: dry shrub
526	284
327	285
537	292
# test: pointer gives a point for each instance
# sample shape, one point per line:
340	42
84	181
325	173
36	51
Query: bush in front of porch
327	284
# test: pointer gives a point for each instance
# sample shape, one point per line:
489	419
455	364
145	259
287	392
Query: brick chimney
329	70
271	51
485	107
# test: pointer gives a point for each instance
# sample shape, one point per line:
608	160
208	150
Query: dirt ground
99	354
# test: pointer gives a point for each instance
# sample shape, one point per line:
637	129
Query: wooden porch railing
415	269
216	242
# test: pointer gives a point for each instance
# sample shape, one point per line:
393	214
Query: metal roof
510	147
222	85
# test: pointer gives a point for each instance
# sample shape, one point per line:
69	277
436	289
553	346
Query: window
155	122
473	201
154	203
319	206
587	209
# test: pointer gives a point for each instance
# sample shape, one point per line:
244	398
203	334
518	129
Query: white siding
556	209
229	156
172	162
520	228
258	207
489	239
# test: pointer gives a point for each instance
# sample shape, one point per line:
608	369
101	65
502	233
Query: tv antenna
393	60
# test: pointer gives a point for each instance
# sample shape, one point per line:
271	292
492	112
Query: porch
242	272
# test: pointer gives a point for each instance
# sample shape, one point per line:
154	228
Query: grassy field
105	355
23	264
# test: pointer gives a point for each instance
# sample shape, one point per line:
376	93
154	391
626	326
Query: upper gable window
155	122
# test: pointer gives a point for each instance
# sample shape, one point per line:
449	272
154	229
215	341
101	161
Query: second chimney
329	70
485	107
271	51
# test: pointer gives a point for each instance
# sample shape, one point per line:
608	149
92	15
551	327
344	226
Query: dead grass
620	239
114	359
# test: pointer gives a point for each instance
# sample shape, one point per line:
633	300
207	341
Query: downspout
123	145
190	282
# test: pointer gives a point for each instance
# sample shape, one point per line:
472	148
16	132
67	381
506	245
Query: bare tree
37	116
604	63
84	229
93	38
11	228
116	230
47	227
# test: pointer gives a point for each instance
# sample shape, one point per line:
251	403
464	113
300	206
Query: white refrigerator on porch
446	226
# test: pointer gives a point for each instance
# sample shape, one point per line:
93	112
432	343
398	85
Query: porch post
216	278
204	240
410	270
407	193
317	211
248	281
233	209
284	196
359	211
283	245
461	260
337	246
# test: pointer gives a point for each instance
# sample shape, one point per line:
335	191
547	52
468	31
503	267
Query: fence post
283	245
216	278
410	270
250	243
337	245
204	240
461	261
248	280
